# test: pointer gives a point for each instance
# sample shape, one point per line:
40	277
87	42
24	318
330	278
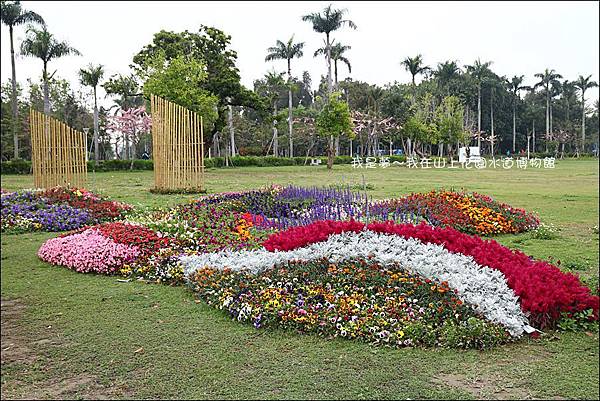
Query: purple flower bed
26	211
283	207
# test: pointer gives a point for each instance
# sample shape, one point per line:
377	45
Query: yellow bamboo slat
177	147
57	152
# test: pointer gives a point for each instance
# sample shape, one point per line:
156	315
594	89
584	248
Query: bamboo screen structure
57	152
177	147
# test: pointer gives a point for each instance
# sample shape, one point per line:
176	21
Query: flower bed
272	256
470	213
57	209
88	252
545	291
391	306
483	288
27	211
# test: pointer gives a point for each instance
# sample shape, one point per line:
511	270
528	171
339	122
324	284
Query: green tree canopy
181	81
210	46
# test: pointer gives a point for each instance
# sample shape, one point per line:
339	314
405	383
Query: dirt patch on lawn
15	348
482	387
485	387
80	386
28	372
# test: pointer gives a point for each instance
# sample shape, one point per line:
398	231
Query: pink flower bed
88	251
545	291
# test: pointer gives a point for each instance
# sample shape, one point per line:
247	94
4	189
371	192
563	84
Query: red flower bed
129	234
318	231
99	208
545	291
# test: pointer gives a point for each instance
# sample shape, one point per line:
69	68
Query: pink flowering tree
130	125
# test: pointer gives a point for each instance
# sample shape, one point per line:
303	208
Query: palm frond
29	16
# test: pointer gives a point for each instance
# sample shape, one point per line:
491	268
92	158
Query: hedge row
24	166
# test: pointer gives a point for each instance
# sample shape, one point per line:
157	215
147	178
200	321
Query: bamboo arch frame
57	152
177	147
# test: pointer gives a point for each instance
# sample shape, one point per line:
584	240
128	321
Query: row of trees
452	105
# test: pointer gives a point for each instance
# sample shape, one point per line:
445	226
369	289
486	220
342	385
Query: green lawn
69	335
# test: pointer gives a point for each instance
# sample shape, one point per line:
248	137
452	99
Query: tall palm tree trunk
335	73
96	155
329	84
15	108
290	121
514	128
533	140
46	92
479	116
275	138
547	111
492	120
583	121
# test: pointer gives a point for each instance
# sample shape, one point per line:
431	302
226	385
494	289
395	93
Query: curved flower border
544	290
483	288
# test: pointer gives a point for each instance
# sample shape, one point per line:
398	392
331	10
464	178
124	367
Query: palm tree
583	84
514	86
547	79
13	15
43	45
445	73
273	82
287	51
337	54
91	77
327	21
568	94
480	72
415	66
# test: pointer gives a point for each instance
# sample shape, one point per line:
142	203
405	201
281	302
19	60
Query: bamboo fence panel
177	147
57	152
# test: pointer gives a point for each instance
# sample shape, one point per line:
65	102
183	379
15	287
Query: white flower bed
485	289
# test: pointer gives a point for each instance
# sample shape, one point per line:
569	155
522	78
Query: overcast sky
520	37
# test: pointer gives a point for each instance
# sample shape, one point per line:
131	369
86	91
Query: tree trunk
583	121
275	138
335	73
548	133
533	138
96	155
132	149
492	120
547	111
330	154
15	107
290	121
329	85
46	91
514	128
479	115
231	131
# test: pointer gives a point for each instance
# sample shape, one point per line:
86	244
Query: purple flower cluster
283	207
26	211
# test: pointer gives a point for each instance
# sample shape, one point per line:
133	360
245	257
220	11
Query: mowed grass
76	335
